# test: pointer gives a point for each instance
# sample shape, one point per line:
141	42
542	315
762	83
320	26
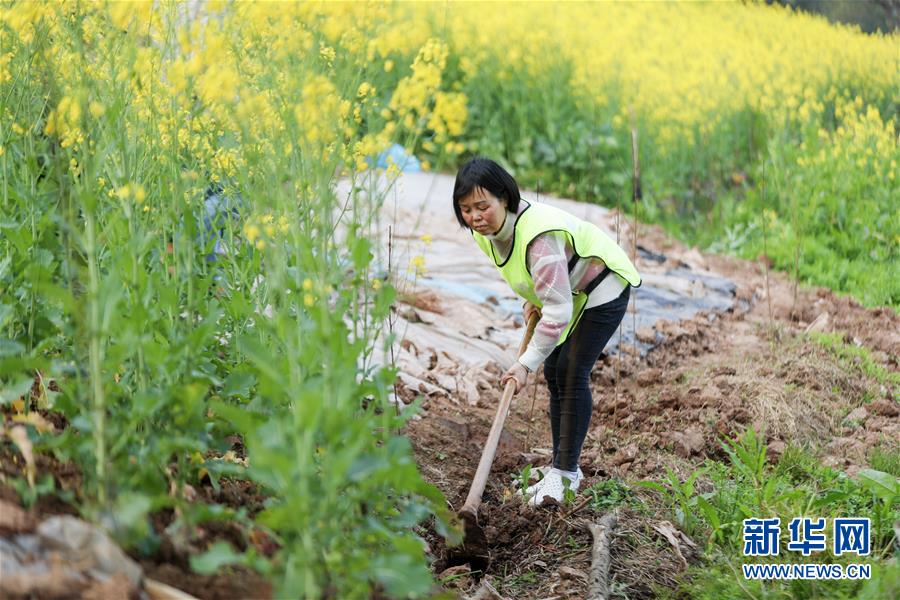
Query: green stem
98	400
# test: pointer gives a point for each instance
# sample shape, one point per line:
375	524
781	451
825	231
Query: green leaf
831	498
132	507
709	512
262	359
883	485
241	419
618	178
16	389
130	520
366	465
401	575
6	311
360	252
238	384
11	348
652	485
218	555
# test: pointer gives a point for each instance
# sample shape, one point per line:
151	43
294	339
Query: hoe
474	549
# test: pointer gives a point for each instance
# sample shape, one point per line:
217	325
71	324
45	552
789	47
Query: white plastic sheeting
459	324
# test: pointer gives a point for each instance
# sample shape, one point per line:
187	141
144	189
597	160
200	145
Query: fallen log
598	588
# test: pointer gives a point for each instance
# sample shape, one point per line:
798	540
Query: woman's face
482	211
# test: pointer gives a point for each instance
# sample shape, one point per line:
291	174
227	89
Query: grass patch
520	582
856	357
887	460
797	486
611	493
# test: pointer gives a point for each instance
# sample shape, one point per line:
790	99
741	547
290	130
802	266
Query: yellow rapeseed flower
251	232
327	53
417	264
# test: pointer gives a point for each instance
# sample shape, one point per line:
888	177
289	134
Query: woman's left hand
517	372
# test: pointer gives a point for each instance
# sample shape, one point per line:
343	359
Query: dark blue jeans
568	372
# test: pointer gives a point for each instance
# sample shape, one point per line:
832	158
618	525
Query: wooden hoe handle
473	500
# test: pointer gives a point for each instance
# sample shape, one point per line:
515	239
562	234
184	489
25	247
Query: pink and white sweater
548	261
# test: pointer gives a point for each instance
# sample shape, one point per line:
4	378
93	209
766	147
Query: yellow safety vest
587	240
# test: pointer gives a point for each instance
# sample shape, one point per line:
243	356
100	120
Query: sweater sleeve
549	269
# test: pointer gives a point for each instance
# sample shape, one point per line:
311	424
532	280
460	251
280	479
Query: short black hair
485	173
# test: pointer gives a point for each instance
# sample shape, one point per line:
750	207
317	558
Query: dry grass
800	391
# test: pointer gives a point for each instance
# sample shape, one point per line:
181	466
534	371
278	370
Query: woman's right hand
528	309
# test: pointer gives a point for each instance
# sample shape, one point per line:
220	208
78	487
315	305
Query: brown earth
712	377
170	564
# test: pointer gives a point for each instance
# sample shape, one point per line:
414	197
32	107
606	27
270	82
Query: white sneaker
554	486
540	473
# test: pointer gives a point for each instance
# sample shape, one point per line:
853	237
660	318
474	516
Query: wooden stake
766	246
598	587
636	196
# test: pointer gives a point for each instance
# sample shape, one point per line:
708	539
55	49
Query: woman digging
574	276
